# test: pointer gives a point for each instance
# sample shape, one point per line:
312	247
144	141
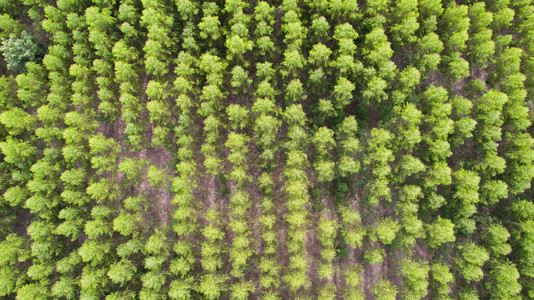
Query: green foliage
211	286
439	232
17	152
121	272
504	281
241	290
17	121
288	140
442	277
386	230
132	168
17	51
415	276
384	290
374	256
497	239
157	177
471	260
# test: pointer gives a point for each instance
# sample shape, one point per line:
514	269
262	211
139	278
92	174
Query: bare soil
159	199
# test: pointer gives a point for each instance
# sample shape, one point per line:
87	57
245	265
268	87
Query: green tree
471	260
242	290
293	62
319	27
455	26
375	91
442	277
212	286
319	55
503	281
343	92
157	177
492	191
15	195
415	276
439	232
405	24
384	290
18	51
496	237
431	47
295	91
132	168
126	224
374	256
386	230
17	152
122	271
17	121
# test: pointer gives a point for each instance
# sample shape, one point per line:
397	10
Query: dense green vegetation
312	149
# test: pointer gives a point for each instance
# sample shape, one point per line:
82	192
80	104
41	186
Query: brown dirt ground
160	198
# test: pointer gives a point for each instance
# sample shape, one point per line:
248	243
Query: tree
384	290
293	62
237	46
32	291
458	67
157	177
343	92
410	165
374	256
376	90
319	27
319	55
238	116
503	282
93	252
126	224
18	51
431	47
241	290
481	46
466	196
65	288
240	79
471	260
122	271
377	49
102	190
74	177
107	148
17	152
405	21
386	230
132	168
349	144
15	195
492	191
409	78
496	238
209	27
17	121
212	285
379	157
442	276
9	25
323	140
439	232
415	276
295	91
456	24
